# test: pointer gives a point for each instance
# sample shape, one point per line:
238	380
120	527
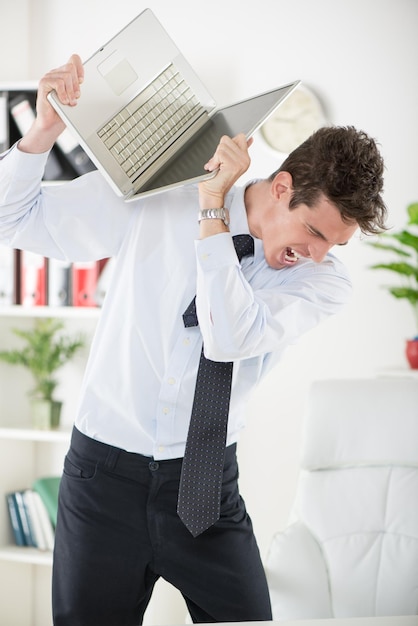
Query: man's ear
281	185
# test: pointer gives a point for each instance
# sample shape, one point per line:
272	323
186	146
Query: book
26	528
48	488
30	520
15	520
44	520
34	520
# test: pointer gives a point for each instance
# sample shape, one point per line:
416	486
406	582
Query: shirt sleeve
254	310
79	220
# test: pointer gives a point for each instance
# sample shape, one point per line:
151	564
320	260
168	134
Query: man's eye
315	233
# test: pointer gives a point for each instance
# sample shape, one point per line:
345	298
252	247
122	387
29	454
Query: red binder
33	279
84	283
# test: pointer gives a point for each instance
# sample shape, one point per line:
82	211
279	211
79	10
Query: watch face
294	121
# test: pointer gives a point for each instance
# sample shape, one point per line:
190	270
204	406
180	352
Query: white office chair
352	547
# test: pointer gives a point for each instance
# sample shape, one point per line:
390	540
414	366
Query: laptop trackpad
118	73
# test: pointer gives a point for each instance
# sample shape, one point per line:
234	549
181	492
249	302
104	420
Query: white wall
360	57
14	40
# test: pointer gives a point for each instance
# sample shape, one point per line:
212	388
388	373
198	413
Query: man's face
289	234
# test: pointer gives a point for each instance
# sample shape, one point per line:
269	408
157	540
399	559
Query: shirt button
186	342
161	448
166	410
171	381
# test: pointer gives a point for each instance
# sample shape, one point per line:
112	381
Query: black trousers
118	532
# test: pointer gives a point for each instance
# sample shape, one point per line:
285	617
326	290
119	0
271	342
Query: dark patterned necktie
201	476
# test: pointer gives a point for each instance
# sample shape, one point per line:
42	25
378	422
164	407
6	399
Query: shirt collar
238	215
235	202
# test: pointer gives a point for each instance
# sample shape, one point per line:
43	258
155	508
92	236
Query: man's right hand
47	127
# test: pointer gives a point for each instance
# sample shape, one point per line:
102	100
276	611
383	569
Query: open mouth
291	256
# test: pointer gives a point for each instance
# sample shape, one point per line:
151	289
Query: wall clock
294	121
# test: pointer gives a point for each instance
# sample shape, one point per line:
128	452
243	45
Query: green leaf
390	248
407	239
404	292
405	269
44	352
413	213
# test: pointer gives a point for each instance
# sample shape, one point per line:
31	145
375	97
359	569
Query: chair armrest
297	576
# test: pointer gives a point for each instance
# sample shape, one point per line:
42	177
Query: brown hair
345	165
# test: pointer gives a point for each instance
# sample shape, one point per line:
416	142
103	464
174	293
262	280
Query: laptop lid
131	84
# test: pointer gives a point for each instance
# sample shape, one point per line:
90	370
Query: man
118	528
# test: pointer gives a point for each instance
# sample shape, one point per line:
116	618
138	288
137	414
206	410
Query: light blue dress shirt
139	382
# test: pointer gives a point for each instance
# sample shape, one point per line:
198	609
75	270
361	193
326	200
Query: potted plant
45	350
403	248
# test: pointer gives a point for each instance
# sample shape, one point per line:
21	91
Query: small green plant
403	247
44	352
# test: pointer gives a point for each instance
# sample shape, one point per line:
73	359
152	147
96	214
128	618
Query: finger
225	147
78	64
66	80
235	151
242	141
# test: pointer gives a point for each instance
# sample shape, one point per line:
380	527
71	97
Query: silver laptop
146	120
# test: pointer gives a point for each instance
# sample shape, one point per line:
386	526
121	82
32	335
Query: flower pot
46	414
56	407
412	353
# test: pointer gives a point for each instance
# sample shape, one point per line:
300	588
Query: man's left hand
232	160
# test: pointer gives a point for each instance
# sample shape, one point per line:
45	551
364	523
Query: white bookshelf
64	312
32	434
29	556
27	454
11	437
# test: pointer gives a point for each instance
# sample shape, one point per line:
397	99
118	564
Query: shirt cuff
215	252
25	165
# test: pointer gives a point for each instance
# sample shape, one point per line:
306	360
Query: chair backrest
361	422
357	493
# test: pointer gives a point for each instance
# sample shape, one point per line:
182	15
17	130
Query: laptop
146	120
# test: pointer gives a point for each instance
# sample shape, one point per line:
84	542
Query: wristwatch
214	214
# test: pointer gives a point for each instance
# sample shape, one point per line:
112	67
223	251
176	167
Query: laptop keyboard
149	121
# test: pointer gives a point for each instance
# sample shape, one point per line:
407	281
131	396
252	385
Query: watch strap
214	214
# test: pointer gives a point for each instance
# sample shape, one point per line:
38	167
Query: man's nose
319	250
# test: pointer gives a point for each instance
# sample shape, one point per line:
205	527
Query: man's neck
255	198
